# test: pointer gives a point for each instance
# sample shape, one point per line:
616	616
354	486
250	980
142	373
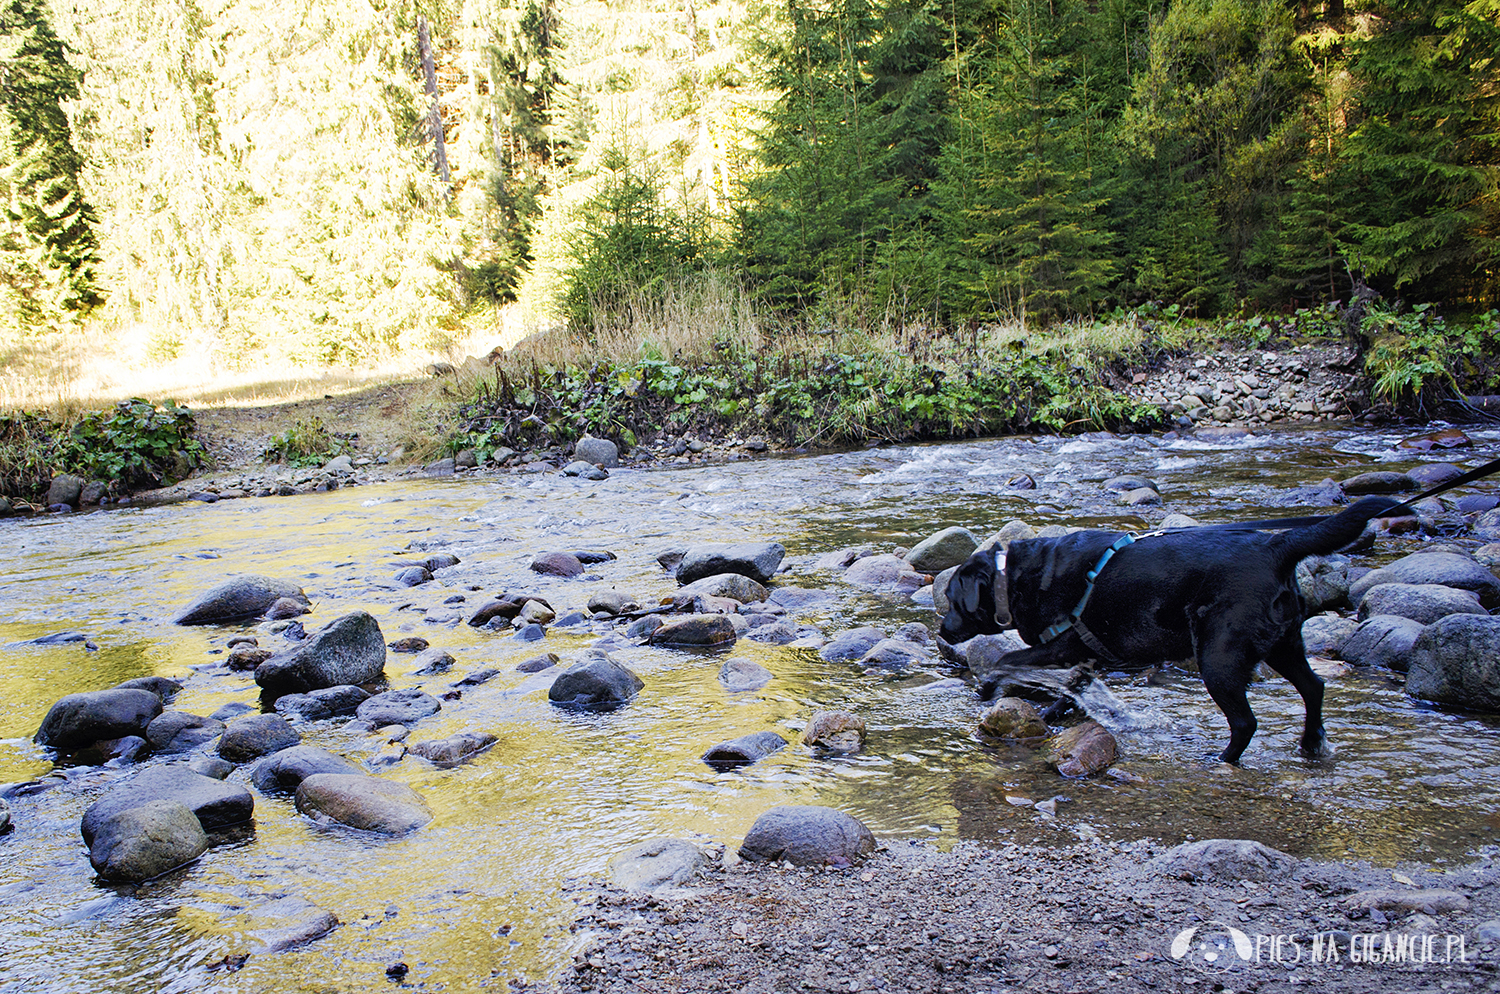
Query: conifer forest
325	181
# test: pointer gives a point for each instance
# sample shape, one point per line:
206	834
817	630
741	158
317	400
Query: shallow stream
475	897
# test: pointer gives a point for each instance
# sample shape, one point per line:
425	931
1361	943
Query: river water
476	897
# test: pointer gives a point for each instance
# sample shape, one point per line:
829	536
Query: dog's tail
1335	531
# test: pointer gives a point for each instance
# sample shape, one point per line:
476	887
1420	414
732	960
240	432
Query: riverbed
475	897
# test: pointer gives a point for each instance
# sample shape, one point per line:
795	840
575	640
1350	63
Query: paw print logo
1213	947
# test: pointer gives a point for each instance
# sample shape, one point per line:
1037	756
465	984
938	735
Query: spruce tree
48	251
1422	156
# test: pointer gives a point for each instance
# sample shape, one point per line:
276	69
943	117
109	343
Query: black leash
1277	524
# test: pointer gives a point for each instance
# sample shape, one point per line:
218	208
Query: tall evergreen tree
48	251
1026	175
1424	153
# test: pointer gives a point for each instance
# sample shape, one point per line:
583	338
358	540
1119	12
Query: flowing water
476	897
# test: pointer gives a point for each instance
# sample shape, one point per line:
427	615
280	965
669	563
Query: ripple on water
477	893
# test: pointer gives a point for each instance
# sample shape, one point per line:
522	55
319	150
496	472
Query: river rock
1013	718
364	802
536	664
164	687
1427	900
982	653
895	654
847	646
597	452
210	766
1475	503
64	489
1445	568
1422	602
757	560
432	661
1324	581
740	675
1382	640
744	750
1430	474
884	571
348	650
734	586
594	683
283	771
284	923
238	599
139	843
413	576
656	864
1378	482
287	607
563	564
397	707
807	835
507	606
178	731
586	470
1325	634
216	804
611	602
1456	660
79	720
325	702
1083	750
454	749
696	631
1447	438
5	824
1140	497
944	550
837	731
1225	861
246	657
252	736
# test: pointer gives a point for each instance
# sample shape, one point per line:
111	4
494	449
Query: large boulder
807	835
885	571
252	736
283	771
1422	602
1445	568
216	803
1382	640
1456	660
139	843
238	599
944	550
65	488
178	731
594	683
79	720
1227	861
348	650
757	560
364	802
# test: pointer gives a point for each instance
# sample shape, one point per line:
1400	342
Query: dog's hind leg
1225	667
1289	658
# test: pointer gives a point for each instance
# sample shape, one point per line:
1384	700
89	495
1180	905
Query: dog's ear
970	587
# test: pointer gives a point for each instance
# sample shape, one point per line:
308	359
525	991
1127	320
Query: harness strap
1072	620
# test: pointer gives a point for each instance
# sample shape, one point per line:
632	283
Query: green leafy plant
137	444
307	443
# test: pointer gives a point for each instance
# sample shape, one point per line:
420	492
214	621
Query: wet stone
744	750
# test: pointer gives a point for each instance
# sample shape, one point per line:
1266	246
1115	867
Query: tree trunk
434	115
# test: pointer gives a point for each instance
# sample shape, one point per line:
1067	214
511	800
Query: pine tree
48	251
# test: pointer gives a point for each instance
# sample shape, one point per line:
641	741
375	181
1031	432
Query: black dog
1225	594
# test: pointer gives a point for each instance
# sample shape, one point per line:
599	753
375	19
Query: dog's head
978	602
